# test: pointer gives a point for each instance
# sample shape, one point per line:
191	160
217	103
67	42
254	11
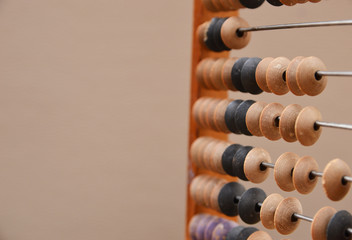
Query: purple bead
193	224
222	229
201	226
208	231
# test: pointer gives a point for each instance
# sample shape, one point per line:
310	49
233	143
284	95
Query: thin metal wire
348	179
317	174
300	216
334	125
269	165
296	25
334	73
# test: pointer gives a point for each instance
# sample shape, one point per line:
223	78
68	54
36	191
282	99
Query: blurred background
94	107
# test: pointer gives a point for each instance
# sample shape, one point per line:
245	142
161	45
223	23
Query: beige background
94	113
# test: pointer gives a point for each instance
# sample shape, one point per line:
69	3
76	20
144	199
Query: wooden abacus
214	197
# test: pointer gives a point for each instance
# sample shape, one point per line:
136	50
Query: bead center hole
317	76
277	121
239	33
284	76
311	176
316	127
343	181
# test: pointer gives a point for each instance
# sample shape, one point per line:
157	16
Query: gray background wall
94	113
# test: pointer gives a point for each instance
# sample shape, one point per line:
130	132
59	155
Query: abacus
218	167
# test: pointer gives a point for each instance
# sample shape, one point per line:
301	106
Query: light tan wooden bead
259	235
301	1
201	188
252	164
197	149
226	5
217	157
210	114
314	1
199	72
253	118
306	131
208	188
287	122
291	76
214	155
195	111
217	4
206	73
219	115
268	121
335	188
274	75
306	77
214	203
209	5
235	4
226	73
215	74
229	33
283	169
201	115
194	187
288	2
267	211
208	150
201	30
260	73
301	174
283	215
320	223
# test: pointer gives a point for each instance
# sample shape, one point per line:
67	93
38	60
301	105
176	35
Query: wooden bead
226	198
260	73
229	33
205	157
238	162
222	229
209	5
209	228
283	221
215	74
217	157
306	76
267	211
283	169
274	75
314	1
197	149
338	225
252	165
200	200
214	195
259	235
288	2
320	222
247	206
306	131
245	233
217	4
248	76
208	188
291	76
230	116
201	31
226	73
194	187
193	224
206	73
334	186
253	118
227	158
199	72
202	225
219	115
210	113
268	121
302	179
235	4
287	122
198	111
240	116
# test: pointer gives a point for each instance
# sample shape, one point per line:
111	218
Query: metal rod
316	174
349	230
334	73
300	216
296	25
268	165
334	125
347	179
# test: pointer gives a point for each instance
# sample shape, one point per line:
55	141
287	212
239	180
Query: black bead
230	116
238	162
227	198
246	232
240	116
234	233
338	225
251	3
217	35
236	74
227	158
248	76
248	206
276	3
210	39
